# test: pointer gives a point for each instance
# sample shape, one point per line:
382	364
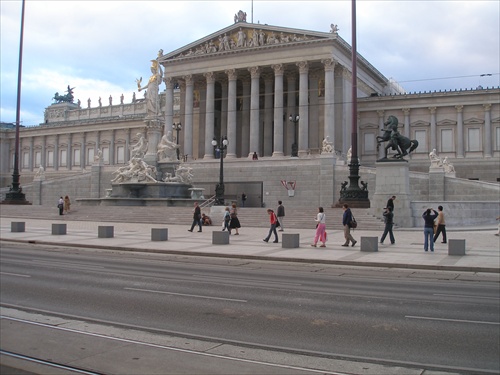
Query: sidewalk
482	246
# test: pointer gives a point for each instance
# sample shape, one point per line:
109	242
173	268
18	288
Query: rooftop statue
395	140
68	98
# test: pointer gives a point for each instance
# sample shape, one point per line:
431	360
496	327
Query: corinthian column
188	117
231	113
169	104
329	124
303	107
268	115
487	131
209	115
278	110
254	111
460	131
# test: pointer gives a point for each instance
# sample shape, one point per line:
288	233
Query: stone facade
244	82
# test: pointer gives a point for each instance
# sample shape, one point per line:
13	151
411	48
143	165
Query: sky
100	47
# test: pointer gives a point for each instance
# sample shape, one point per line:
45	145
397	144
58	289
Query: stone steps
251	217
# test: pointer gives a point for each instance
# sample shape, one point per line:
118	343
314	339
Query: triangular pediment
474	121
242	36
446	122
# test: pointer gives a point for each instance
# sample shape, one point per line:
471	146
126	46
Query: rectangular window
63	158
420	136
447	140
90	156
26	160
369	143
120	151
105	155
497	136
38	158
473	141
76	157
50	158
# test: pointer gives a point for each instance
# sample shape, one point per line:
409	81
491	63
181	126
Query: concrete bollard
369	244
456	247
220	238
58	229
290	240
17	226
105	231
159	234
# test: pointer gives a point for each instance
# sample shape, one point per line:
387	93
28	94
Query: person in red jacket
273	220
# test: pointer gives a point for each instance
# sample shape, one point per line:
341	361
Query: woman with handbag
234	222
320	228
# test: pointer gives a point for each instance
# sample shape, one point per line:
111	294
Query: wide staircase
249	216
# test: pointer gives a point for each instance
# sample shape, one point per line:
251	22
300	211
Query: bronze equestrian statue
395	141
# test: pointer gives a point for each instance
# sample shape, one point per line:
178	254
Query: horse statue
395	141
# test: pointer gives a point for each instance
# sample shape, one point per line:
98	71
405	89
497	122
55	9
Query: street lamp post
177	127
219	188
295	147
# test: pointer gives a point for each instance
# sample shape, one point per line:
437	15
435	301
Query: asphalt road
362	314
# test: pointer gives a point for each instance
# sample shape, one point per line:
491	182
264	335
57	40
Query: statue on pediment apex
334	29
240	17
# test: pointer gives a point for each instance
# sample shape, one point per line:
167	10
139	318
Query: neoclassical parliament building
265	88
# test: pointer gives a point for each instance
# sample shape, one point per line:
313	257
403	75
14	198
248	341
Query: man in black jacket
388	218
280	213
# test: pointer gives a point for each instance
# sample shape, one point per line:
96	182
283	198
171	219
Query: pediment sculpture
241	38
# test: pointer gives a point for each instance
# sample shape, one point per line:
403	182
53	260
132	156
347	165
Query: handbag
354	223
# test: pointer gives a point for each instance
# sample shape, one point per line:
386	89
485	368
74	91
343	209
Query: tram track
362	361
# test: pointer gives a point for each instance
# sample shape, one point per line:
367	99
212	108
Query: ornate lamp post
177	127
219	188
295	147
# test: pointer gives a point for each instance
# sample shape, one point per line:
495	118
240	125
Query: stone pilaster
303	108
393	178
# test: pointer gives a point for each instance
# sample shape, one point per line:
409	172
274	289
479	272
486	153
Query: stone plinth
290	240
220	238
369	244
17	226
159	234
456	247
105	231
393	178
58	229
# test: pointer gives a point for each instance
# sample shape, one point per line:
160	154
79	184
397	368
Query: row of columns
250	126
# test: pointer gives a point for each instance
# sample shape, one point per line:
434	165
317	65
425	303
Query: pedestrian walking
429	217
196	217
234	223
280	213
243	199
60	205
498	231
390	203
320	228
273	219
346	222
388	219
67	204
225	220
441	226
